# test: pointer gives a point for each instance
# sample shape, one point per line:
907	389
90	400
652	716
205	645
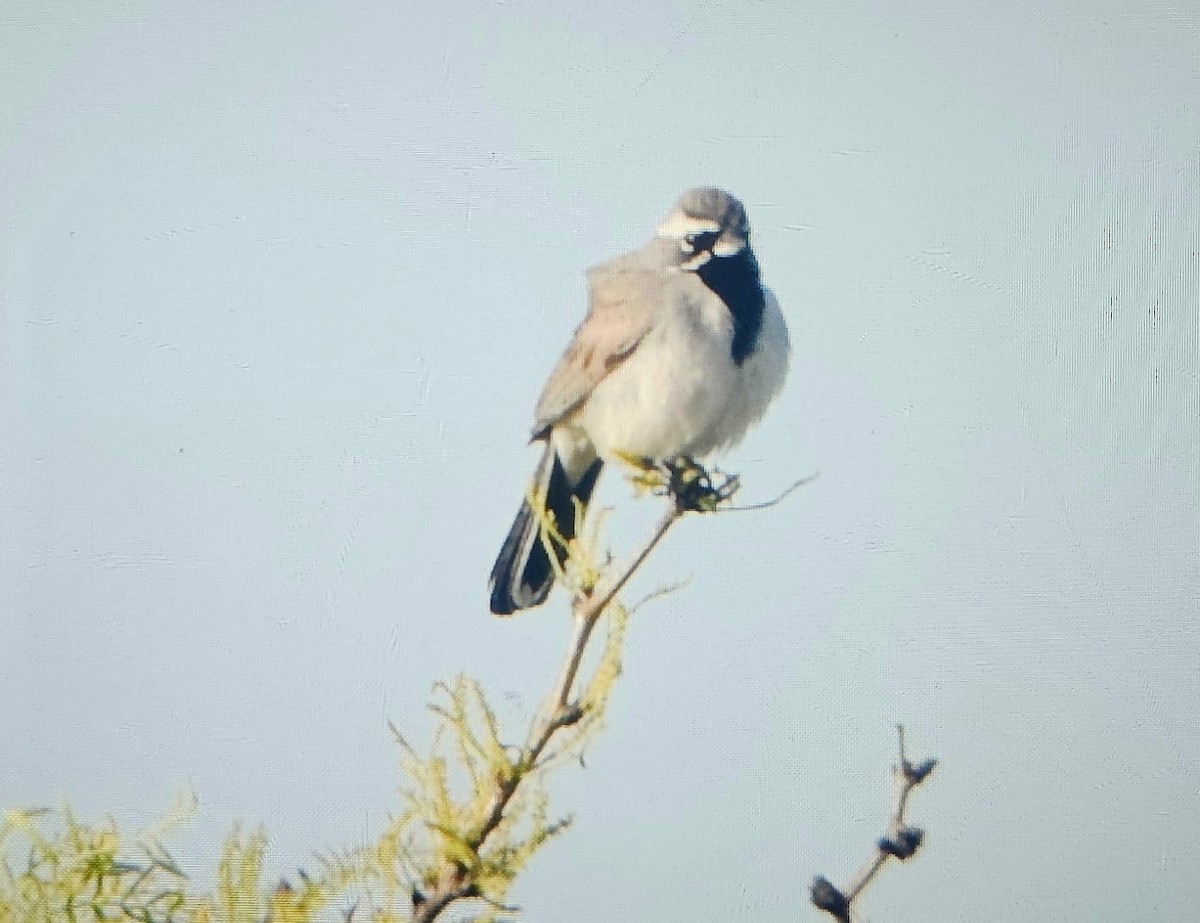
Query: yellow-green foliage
56	869
451	794
449	834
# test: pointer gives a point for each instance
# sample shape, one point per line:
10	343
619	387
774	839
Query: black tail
522	575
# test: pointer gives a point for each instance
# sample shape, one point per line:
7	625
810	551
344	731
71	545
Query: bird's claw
694	488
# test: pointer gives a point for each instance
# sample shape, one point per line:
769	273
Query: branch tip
773	501
901	842
825	896
917	774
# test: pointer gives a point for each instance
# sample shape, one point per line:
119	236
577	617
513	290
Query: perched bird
680	353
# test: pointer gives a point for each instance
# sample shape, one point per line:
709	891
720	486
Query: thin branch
690	489
665	589
562	713
901	841
599	600
774	501
587	609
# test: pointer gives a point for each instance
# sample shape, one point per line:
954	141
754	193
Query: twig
901	841
691	489
777	499
587	609
561	713
665	589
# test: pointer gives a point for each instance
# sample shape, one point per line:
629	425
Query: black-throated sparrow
681	352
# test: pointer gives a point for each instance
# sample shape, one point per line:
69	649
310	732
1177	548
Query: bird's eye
702	240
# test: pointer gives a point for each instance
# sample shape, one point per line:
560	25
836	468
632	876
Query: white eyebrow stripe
679	225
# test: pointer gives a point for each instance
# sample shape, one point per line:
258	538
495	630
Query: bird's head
706	224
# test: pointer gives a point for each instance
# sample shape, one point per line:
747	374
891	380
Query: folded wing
621	299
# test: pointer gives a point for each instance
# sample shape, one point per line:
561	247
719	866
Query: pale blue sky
279	284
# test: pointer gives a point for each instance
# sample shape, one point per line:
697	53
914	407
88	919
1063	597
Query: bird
680	353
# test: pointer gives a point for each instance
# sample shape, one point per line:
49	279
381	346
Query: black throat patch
735	280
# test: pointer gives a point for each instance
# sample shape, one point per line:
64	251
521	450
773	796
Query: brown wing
621	300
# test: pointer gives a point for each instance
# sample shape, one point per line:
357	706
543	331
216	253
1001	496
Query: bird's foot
690	484
645	474
694	488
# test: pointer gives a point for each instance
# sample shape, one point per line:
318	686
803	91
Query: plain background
280	283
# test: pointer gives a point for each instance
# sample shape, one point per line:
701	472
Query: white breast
681	393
